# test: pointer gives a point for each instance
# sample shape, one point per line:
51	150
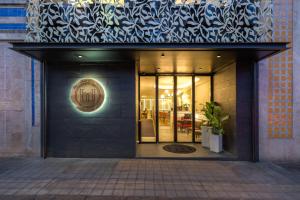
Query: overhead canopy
152	57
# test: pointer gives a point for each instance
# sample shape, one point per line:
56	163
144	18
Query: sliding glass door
170	107
184	108
166	108
147	109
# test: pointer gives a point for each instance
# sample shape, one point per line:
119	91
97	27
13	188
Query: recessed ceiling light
218	56
80	56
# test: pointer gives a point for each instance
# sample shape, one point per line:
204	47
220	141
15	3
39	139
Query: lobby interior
173	88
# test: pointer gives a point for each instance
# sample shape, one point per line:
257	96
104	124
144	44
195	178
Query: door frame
174	75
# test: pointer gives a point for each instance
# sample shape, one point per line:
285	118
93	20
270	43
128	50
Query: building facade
148	65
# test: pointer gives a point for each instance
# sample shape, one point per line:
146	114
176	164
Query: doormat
179	148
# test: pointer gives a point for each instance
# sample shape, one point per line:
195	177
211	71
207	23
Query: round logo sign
87	95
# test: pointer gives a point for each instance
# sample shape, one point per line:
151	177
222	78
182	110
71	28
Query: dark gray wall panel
107	133
245	108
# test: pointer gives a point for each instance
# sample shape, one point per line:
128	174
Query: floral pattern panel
149	21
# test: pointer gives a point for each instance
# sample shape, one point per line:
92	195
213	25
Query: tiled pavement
137	179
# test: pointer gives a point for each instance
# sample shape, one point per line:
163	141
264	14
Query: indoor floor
153	150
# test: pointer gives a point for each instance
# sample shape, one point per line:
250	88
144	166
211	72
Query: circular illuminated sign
87	95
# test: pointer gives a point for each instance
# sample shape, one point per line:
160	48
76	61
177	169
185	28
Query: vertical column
296	79
193	107
175	108
157	109
244	108
43	100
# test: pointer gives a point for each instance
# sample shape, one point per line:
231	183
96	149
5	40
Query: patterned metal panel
147	21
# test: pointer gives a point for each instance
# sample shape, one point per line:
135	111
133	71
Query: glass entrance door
166	108
184	108
147	109
170	107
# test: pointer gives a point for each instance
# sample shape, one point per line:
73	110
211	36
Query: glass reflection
147	108
166	108
202	95
184	109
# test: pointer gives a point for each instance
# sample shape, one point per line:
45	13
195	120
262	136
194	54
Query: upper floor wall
149	21
12	20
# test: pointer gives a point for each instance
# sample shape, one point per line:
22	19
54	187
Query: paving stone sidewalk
137	179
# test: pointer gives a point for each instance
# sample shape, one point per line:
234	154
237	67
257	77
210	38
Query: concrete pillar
295	150
281	149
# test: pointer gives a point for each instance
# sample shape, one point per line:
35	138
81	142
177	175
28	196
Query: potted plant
206	129
216	137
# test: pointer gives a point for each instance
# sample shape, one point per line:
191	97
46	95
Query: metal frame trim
156	109
43	94
32	92
193	107
139	110
261	46
175	107
255	114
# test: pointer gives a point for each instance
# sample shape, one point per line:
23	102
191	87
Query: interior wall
203	92
110	132
224	90
295	153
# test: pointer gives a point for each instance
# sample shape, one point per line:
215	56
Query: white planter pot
216	143
206	131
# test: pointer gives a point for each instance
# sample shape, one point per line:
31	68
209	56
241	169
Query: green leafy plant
215	117
208	111
218	119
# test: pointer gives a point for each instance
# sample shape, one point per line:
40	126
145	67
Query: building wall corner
296	78
19	136
279	91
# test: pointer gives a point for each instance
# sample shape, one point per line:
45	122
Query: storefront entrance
152	93
170	107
